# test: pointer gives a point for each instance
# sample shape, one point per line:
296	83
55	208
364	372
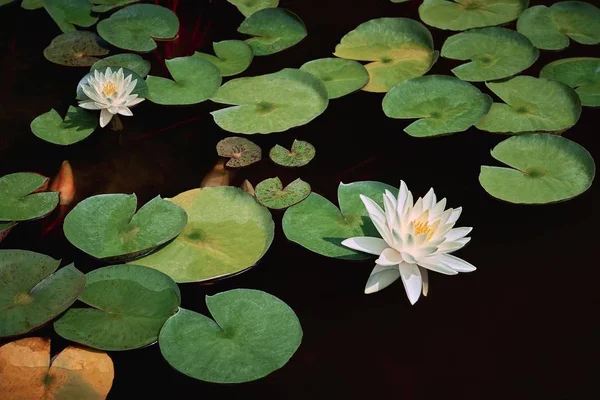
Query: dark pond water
522	326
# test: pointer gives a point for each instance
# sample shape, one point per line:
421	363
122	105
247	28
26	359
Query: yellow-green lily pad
580	73
77	125
271	193
132	62
75	49
249	7
20	197
232	56
301	154
101	6
274	30
341	77
68	13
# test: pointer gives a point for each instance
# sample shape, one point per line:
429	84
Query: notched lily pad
232	56
271	193
20	197
75	49
249	7
77	125
101	6
580	73
301	154
68	13
341	77
132	62
274	30
240	151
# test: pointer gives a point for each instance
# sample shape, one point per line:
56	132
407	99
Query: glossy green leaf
141	89
19	200
271	193
101	6
77	125
132	62
232	56
68	13
274	30
31	4
240	151
301	154
341	77
249	7
580	73
75	49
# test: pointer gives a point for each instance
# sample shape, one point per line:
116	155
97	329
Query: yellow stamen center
109	89
421	227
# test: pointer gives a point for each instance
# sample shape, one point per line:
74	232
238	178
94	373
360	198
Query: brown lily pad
242	152
75	49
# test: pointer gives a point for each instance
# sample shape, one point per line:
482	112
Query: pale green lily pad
101	6
68	13
270	103
107	225
249	7
494	53
20	200
341	77
232	56
132	62
318	225
195	80
274	30
77	125
240	151
443	104
271	193
75	49
32	4
135	27
253	334
550	28
580	73
227	232
532	104
545	169
129	305
398	48
301	154
141	89
32	291
460	15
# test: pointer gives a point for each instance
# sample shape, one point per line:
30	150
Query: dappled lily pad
274	30
132	62
580	73
240	151
253	334
77	125
32	292
129	305
107	225
341	77
107	5
141	89
75	49
271	193
320	226
270	103
545	169
442	103
232	56
68	13
301	154
249	7
20	200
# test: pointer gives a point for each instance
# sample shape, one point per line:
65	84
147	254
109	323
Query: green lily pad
195	80
398	48
274	30
32	292
135	27
141	89
545	169
75	49
460	15
232	56
132	62
20	200
101	6
249	7
443	104
271	193
301	154
253	334
532	104
68	13
341	77
240	151
318	225
227	232
30	4
270	103
550	28
107	226
580	73
494	53
77	125
129	305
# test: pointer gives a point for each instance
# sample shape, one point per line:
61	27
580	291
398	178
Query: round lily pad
77	125
270	103
32	291
397	48
232	56
68	13
195	80
141	89
532	104
443	104
135	27
129	304
132	62
253	334
580	73
301	154
249	7
240	151
341	77
271	193
107	226
20	199
101	6
545	169
494	53
274	30
227	232
75	49
318	225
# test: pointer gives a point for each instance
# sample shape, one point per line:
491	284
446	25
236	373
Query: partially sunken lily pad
398	48
32	292
141	89
545	169
107	5
240	151
232	56
442	103
271	193
494	53
77	125
75	49
580	73
274	30
129	305
532	104
301	154
107	226
227	232
249	7
132	62
253	334
341	77
318	225
270	103
20	200
67	13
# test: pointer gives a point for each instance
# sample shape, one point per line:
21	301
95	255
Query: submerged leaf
274	30
218	175
249	7
75	49
128	61
341	77
271	193
580	73
77	125
232	56
20	200
67	13
64	184
240	151
301	154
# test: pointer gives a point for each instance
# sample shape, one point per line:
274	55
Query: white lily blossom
415	238
110	92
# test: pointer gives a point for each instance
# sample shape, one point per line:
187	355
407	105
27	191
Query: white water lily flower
110	92
415	238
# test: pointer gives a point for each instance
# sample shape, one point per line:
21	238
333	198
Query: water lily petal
417	209
381	277
457	264
133	102
448	247
89	105
436	211
125	111
105	117
434	263
407	257
455	214
425	279
411	278
89	92
429	200
425	251
113	109
366	244
389	257
404	199
457	233
373	208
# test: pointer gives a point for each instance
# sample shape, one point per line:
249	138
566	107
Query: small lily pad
253	334
132	62
249	7
545	169
301	154
107	226
241	151
443	104
20	200
494	53
580	73
67	13
274	30
341	77
32	291
75	49
271	193
320	226
232	56
77	125
141	89
101	6
129	304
